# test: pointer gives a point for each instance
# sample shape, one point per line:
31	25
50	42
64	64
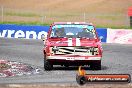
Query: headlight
94	50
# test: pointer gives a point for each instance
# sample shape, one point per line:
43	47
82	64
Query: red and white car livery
71	44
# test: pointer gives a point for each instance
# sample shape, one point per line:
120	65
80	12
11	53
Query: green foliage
113	27
25	23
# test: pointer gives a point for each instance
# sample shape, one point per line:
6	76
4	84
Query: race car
72	44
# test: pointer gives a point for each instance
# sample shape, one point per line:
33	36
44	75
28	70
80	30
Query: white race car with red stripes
72	44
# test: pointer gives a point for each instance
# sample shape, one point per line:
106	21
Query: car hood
72	42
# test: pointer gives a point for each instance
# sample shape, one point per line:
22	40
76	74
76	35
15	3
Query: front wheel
47	65
96	65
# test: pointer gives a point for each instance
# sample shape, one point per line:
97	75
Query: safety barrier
35	32
22	31
121	36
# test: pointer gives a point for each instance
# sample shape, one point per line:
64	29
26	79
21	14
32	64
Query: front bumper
57	60
74	58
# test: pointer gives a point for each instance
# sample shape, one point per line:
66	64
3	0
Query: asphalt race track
117	59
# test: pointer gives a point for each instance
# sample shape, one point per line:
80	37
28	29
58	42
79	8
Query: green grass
47	24
102	13
21	14
113	27
25	23
117	21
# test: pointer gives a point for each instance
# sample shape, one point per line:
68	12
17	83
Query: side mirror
101	37
43	37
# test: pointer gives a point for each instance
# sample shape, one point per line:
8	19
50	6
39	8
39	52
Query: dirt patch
90	6
13	68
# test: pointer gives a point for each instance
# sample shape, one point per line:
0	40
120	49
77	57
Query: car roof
72	23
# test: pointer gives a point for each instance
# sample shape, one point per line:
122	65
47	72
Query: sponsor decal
119	36
83	78
34	32
22	34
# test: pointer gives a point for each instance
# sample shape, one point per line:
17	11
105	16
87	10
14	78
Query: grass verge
47	24
26	23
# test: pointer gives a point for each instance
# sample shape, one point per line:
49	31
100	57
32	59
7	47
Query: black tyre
96	65
47	65
129	80
81	80
66	66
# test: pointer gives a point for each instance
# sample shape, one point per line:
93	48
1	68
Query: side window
52	34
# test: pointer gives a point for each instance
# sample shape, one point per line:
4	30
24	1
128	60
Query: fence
47	17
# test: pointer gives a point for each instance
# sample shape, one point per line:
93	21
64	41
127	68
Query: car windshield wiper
83	37
57	37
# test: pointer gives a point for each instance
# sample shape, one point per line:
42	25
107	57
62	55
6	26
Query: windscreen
73	31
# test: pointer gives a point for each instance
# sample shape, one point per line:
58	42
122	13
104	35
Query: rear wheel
47	65
96	65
